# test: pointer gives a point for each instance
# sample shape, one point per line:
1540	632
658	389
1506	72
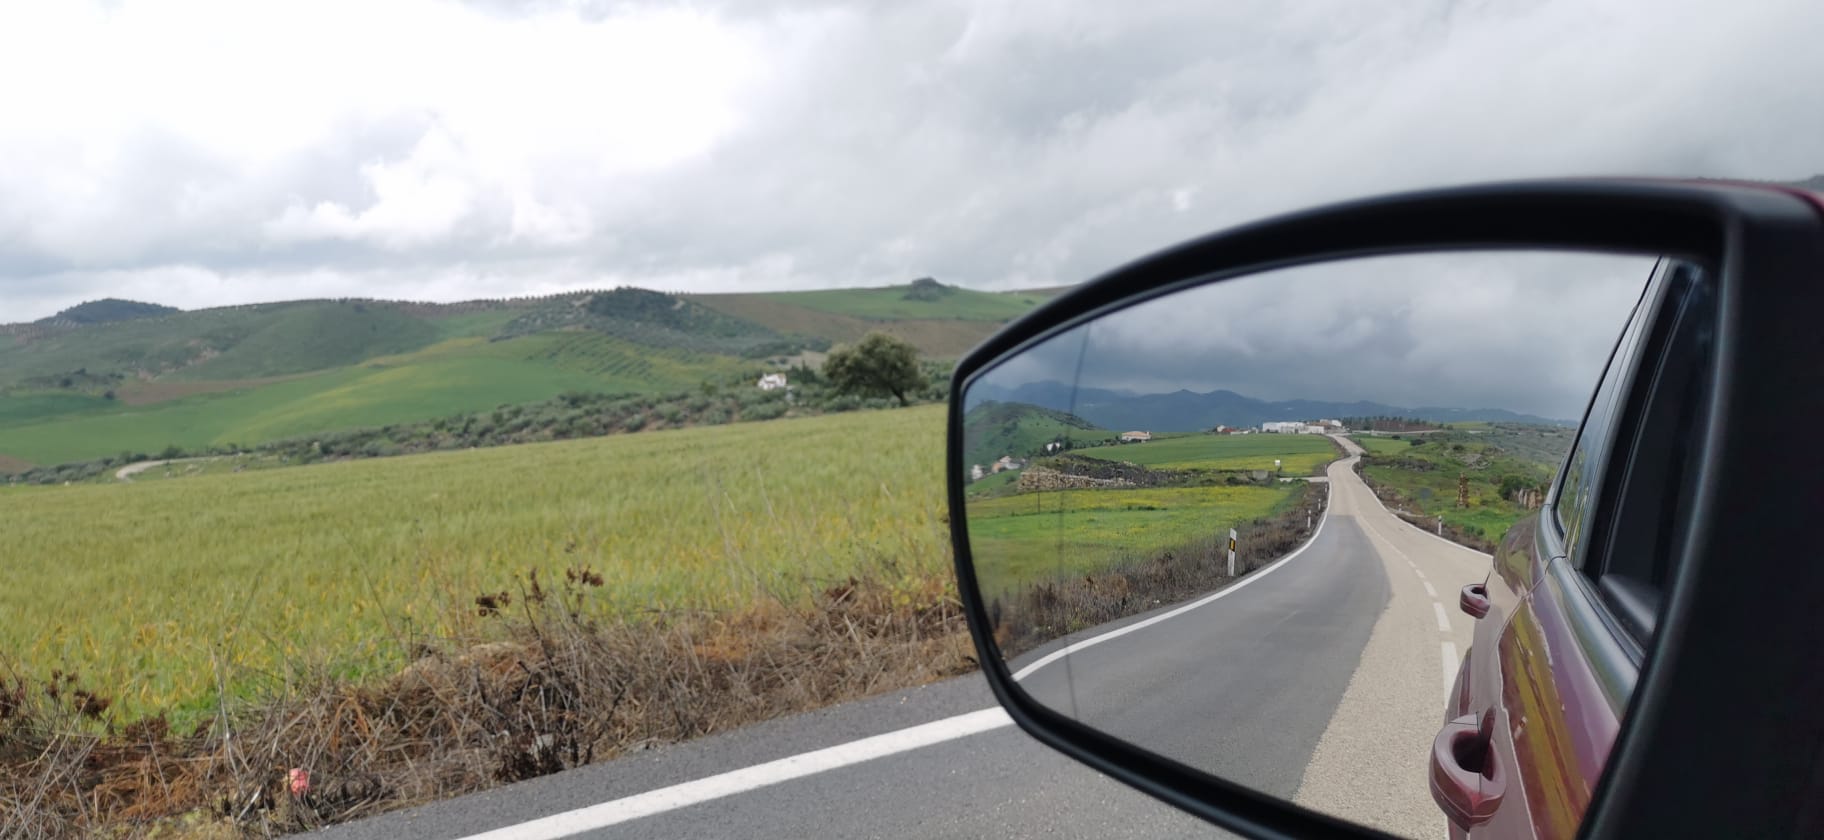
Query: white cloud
677	145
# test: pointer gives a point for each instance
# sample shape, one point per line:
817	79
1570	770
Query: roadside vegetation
1505	468
249	571
405	629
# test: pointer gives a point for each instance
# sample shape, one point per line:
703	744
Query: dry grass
563	690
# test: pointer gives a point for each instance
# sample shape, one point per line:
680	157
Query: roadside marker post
1231	552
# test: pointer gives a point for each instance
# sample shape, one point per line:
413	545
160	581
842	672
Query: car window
1660	427
1576	495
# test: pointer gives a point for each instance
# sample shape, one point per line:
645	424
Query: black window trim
1645	306
1663	306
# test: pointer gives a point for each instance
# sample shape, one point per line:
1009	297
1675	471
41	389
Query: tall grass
154	591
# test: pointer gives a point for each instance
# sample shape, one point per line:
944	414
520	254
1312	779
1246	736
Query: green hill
941	321
112	375
994	429
107	310
908	302
662	321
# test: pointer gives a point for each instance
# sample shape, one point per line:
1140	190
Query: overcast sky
200	153
1527	332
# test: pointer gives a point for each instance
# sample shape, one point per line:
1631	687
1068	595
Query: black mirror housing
1693	759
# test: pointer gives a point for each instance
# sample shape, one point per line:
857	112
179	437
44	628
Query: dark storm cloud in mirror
445	150
1476	331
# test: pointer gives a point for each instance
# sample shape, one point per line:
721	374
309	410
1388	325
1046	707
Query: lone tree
880	364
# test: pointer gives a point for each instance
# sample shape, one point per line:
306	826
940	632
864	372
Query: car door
1572	593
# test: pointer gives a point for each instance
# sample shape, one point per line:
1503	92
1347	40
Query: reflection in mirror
1234	526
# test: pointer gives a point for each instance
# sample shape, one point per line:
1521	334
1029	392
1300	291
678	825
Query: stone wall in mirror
1234	525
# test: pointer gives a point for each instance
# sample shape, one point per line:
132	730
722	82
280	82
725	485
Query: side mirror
1208	510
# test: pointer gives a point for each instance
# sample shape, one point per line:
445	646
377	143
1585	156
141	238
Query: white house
976	472
1314	430
1136	437
1285	428
772	381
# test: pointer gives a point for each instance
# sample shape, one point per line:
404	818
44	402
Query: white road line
1428	589
1420	572
1450	666
1443	619
1118	632
748	778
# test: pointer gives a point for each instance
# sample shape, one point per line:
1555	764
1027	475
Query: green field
1379	445
232	343
451	377
145	587
1017	540
1299	454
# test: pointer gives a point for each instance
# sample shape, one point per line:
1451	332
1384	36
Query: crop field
1299	454
1381	445
448	378
159	591
1017	540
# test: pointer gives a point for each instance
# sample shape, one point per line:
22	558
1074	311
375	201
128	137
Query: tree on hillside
879	365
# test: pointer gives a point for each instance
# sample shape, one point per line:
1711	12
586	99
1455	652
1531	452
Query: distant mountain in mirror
1186	411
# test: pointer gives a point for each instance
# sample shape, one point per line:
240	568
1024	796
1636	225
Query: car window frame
1622	362
1634	370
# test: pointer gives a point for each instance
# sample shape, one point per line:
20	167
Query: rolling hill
114	375
994	429
107	310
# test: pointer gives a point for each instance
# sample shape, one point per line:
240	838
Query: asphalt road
997	783
1321	680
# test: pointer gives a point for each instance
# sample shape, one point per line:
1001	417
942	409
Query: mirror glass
1234	525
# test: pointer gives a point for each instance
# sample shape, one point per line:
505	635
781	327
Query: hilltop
106	310
113	375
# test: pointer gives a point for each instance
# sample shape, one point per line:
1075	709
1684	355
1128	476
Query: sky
1522	331
209	152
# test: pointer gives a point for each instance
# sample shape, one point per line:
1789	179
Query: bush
764	411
